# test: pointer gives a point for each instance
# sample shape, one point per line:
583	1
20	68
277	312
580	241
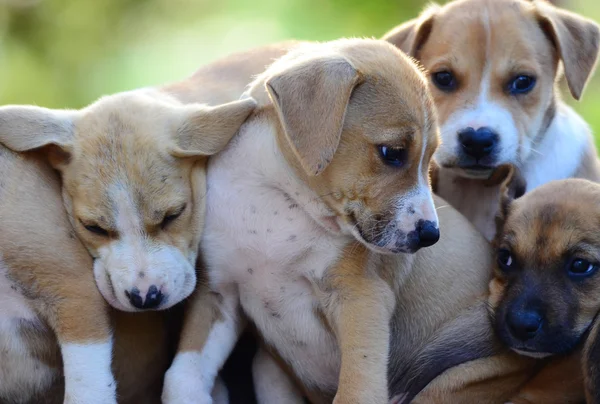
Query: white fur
272	249
558	155
21	375
191	377
271	383
88	374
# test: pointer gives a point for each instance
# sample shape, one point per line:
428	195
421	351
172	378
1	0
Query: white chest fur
21	374
259	237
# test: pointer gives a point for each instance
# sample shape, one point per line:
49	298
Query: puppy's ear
577	41
207	130
512	186
25	128
591	363
412	35
311	98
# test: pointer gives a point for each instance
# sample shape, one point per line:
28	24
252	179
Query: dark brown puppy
544	293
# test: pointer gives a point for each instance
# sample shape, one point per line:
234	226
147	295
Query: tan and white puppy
493	69
133	183
338	150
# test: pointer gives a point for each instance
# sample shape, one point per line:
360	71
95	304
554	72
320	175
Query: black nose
478	143
428	233
154	298
524	324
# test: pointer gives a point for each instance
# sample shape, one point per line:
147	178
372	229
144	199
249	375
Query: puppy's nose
154	298
524	324
478	143
428	233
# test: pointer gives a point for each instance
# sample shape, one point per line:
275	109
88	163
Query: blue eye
580	267
521	84
393	156
444	80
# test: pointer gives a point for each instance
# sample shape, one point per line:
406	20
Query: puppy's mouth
532	354
383	244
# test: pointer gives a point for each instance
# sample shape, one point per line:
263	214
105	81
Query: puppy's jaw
396	232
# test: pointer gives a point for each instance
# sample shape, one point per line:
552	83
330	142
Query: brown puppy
543	294
139	217
493	70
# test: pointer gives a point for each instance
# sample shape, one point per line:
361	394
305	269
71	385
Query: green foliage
67	53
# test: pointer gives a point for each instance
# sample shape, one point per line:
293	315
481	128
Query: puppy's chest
267	245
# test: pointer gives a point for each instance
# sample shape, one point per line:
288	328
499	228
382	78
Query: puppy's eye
94	228
172	217
393	156
444	80
521	84
581	267
505	259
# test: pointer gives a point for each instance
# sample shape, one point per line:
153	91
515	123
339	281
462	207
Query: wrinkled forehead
469	35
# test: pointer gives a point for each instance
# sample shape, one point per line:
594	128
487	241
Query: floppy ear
512	186
311	99
207	130
576	39
412	35
24	128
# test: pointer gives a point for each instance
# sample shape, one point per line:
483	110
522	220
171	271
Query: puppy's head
544	293
358	124
133	174
493	66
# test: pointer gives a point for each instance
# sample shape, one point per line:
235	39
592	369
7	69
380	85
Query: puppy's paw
91	392
185	384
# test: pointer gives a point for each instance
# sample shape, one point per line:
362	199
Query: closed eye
94	228
171	217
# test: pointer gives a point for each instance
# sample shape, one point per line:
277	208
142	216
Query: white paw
184	383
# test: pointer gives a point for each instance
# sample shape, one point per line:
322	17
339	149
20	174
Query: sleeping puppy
493	71
544	293
132	172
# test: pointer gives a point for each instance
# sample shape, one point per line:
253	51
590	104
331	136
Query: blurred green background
67	53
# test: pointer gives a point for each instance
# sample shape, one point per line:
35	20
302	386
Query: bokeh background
67	53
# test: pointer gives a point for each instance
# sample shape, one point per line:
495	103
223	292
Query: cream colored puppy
133	184
338	150
493	69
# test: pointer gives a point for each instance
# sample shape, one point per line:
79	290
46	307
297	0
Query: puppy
132	170
542	293
493	68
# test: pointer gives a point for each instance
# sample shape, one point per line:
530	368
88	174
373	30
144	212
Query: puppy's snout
429	233
426	234
478	143
524	324
153	298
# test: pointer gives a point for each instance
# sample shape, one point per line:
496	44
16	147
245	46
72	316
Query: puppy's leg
212	325
220	394
591	364
81	322
271	382
359	305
